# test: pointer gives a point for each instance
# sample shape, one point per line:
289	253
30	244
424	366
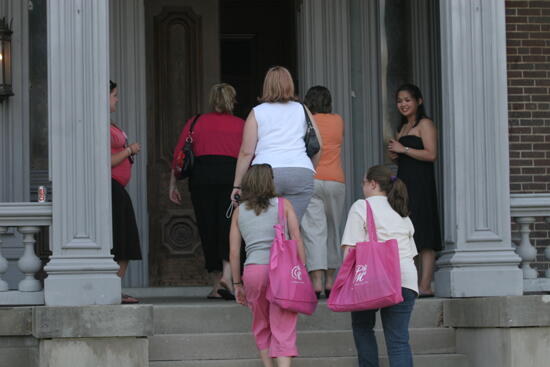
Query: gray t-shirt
258	232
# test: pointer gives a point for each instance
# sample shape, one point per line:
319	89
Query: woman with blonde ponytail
387	196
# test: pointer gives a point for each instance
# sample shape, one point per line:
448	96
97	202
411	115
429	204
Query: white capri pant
321	225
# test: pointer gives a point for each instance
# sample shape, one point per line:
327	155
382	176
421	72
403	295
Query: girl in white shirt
387	196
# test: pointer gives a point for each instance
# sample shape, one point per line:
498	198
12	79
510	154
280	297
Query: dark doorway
255	35
189	42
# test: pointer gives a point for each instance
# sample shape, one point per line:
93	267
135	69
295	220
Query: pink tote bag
370	277
289	285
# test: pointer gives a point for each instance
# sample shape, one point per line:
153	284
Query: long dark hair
258	188
394	188
318	100
112	85
415	93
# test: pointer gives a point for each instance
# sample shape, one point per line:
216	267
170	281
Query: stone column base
486	281
82	281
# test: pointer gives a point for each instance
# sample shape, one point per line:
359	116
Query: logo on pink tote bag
360	272
296	273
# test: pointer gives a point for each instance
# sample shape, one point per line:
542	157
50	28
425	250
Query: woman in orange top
322	220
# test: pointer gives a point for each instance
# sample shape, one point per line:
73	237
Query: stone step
18	351
226	316
337	343
427	360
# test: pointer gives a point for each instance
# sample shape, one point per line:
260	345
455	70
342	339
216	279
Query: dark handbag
312	141
185	158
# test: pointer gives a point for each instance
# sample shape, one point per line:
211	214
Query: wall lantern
5	60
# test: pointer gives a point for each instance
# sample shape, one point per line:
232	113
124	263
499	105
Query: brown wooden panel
174	245
178	67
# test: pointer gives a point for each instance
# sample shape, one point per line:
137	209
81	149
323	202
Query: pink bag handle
281	211
371	227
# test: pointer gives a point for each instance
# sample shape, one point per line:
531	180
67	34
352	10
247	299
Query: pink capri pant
273	327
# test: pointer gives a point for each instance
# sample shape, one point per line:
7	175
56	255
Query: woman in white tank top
274	134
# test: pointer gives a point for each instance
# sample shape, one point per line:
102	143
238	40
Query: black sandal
225	294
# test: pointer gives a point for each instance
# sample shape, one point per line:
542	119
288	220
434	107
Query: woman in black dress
415	150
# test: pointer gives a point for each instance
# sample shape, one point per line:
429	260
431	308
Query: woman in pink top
125	232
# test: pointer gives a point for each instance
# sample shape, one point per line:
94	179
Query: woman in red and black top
217	140
125	231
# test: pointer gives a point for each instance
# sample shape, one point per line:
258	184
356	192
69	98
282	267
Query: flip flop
212	296
228	296
425	295
126	299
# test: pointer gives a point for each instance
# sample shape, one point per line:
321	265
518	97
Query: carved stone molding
179	233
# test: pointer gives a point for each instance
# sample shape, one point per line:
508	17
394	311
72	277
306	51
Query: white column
324	56
81	270
478	259
127	69
364	130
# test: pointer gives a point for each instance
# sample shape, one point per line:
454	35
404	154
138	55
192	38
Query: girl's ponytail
394	188
398	197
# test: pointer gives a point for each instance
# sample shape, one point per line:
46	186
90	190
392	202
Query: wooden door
182	41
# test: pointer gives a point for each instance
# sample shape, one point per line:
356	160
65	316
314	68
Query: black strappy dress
419	178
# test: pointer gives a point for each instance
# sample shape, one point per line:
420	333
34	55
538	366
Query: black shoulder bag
311	140
186	156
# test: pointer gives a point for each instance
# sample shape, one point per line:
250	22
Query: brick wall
528	50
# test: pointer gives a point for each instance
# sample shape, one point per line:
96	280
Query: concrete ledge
495	312
119	352
18	351
15	321
13	298
92	321
536	285
168	292
504	347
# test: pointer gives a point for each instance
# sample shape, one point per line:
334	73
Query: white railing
26	218
525	209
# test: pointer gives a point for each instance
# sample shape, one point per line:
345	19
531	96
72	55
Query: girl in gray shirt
274	328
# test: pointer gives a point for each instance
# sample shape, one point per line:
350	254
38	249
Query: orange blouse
331	127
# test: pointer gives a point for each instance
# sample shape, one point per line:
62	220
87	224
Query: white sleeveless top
281	131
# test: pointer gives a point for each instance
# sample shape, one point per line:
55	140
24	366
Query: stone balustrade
525	209
27	219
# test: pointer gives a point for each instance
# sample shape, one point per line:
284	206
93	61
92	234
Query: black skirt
125	232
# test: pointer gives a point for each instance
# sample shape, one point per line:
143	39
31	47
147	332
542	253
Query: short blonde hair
222	98
278	86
